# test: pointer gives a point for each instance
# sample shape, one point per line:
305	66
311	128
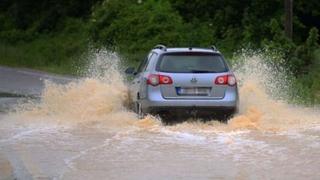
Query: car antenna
161	47
214	48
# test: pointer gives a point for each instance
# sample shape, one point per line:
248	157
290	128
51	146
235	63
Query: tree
288	17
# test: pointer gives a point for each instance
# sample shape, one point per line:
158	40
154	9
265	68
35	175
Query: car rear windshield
192	63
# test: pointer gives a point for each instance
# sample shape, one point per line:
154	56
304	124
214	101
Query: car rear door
193	86
193	77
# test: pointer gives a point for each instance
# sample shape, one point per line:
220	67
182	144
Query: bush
136	28
56	52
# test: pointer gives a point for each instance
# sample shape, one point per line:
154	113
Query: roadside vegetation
54	35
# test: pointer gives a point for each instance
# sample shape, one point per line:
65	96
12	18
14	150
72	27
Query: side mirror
130	70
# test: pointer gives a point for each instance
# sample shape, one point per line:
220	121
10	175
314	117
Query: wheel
227	115
138	110
169	118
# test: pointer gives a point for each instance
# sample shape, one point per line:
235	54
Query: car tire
228	115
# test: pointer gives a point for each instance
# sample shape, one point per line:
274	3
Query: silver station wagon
177	83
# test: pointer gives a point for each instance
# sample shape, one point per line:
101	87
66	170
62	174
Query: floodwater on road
148	150
83	130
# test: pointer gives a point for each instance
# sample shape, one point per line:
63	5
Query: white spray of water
100	98
264	92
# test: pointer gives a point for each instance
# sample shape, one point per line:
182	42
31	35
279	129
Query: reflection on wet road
158	152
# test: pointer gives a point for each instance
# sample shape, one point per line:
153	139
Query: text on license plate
198	91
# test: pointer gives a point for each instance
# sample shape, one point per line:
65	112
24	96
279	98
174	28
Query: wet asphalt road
26	82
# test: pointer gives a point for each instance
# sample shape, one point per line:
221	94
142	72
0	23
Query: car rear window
192	63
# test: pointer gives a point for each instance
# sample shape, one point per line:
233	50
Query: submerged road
47	144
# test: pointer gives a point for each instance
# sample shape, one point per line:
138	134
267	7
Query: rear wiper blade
201	71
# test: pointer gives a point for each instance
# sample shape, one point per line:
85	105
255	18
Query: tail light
156	79
226	80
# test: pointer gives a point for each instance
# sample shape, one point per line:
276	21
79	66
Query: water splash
265	84
100	98
102	95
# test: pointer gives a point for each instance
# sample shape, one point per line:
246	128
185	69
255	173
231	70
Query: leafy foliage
44	33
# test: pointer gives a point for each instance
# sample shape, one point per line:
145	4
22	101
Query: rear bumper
180	103
158	103
188	111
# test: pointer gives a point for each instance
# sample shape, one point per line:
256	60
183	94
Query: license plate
196	91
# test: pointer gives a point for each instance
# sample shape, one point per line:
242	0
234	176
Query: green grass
58	52
55	55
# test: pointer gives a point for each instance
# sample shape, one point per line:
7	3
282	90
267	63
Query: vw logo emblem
194	80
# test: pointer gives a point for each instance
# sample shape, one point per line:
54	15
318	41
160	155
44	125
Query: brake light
153	80
165	79
156	79
226	80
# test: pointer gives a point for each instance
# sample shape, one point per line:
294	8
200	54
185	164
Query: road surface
80	131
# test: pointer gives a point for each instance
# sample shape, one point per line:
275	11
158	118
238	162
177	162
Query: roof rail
160	46
214	48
